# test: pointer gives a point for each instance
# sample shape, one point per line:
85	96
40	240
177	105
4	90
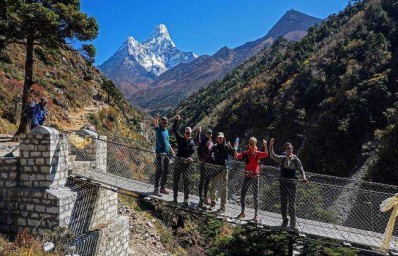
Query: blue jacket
162	140
39	114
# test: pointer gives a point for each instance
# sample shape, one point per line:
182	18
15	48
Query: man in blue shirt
39	113
163	149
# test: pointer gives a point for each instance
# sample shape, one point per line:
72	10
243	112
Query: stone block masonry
96	152
110	240
43	160
36	193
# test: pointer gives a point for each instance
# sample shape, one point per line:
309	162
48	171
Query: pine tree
48	23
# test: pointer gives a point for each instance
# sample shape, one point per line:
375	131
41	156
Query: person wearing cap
205	157
186	148
290	165
39	113
163	149
222	152
252	172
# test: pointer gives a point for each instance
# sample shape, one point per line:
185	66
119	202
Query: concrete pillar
96	151
43	158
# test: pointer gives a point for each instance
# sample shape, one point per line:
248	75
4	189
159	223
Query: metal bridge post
291	239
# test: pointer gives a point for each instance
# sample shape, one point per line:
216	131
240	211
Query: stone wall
8	172
43	160
36	193
95	152
8	181
111	240
101	154
114	238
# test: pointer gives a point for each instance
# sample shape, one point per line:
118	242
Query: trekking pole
291	239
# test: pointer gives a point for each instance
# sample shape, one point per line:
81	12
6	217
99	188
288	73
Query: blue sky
201	26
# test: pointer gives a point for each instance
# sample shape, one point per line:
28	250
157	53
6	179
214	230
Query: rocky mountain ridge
179	82
135	65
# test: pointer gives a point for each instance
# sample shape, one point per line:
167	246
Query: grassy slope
77	92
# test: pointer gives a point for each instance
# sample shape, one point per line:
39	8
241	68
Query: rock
48	246
131	252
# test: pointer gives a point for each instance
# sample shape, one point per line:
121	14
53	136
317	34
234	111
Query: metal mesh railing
345	209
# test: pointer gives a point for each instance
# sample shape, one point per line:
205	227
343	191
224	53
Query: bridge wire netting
325	204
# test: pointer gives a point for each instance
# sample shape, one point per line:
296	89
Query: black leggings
162	171
247	183
183	167
288	199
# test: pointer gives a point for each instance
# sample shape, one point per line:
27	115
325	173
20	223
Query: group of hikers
214	157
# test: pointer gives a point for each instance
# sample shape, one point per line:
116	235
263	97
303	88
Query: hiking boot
164	191
156	193
241	215
284	224
255	218
212	204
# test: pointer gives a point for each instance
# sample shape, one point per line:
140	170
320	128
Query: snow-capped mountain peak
160	39
160	31
155	55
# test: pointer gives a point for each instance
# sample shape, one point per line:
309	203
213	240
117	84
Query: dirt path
80	117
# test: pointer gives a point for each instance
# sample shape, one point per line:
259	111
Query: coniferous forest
333	94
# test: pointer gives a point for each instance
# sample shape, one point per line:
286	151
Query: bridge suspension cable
327	206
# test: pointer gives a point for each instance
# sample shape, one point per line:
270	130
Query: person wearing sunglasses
252	158
163	149
290	165
186	148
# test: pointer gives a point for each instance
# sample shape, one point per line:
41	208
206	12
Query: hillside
179	82
333	94
77	92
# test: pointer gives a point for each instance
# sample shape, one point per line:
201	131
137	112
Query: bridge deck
270	219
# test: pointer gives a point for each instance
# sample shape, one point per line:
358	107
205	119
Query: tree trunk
23	124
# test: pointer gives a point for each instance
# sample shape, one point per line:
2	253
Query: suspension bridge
345	210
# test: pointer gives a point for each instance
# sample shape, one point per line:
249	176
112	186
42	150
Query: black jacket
186	148
222	153
204	152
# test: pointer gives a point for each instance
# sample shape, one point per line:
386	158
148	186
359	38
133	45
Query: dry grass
73	88
25	244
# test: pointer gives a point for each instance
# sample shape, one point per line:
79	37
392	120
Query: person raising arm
252	158
290	165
